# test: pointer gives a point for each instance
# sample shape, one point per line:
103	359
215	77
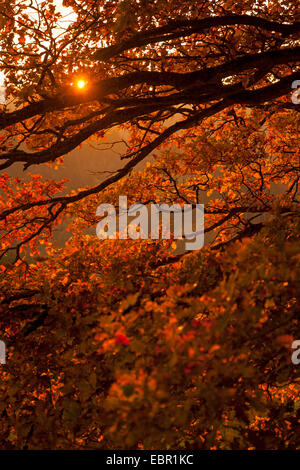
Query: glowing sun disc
81	84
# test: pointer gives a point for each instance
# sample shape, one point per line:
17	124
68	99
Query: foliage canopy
120	343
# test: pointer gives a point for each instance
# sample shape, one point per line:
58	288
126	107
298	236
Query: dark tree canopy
120	344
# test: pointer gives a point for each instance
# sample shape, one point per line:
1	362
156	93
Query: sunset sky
68	16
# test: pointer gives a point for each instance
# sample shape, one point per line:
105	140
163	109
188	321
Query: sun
81	83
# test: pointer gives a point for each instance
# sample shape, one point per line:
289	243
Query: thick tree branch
182	28
100	90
